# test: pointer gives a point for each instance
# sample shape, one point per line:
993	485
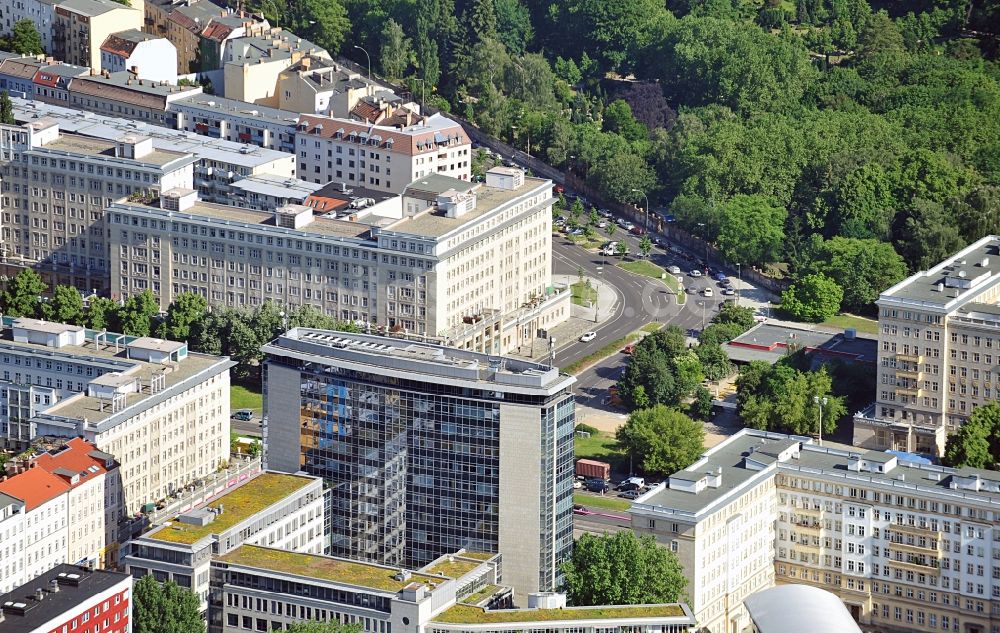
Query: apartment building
467	264
220	163
906	545
40	12
381	157
198	29
56	187
51	82
458	592
12	512
267	192
939	352
125	94
72	598
149	57
273	509
315	84
427	449
17	74
81	26
236	121
45	533
253	63
162	412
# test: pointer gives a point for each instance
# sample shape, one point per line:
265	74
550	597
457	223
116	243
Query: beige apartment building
939	352
81	26
56	187
906	546
252	64
162	412
464	263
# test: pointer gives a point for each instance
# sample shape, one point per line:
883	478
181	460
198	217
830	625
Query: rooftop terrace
337	570
465	614
256	495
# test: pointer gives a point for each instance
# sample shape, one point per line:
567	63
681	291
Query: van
597	485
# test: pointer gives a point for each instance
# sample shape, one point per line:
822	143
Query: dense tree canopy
977	441
164	608
622	568
661	440
783	398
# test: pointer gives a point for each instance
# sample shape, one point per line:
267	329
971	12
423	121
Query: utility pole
821	402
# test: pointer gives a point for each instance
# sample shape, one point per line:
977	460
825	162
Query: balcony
923	565
930	549
807	547
808	527
921	529
809	511
909	391
912	374
910	358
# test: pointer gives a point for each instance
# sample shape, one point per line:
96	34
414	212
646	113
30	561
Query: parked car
628	349
637	230
577	485
627	486
622	222
695	272
588	337
630	494
597	485
674	270
720	276
657	242
629	226
243	415
603	224
728	292
604	213
708	292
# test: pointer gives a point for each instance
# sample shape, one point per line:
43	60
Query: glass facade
413	467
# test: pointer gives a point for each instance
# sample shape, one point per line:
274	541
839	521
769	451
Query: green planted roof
339	570
256	495
464	614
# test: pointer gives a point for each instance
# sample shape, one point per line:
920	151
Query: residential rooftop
97	147
958	280
730	468
769	342
274	45
204	148
76	586
466	614
92	8
387	355
436	223
338	570
238	504
277	186
224	107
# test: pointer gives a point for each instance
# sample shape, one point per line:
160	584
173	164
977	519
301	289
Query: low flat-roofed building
797	608
267	193
273	509
457	593
161	411
236	121
66	597
770	343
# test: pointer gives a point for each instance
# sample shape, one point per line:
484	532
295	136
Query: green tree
862	268
714	360
66	306
622	568
645	246
6	109
622	249
976	444
621	175
136	314
930	234
514	26
662	440
102	314
395	51
611	229
701	406
813	298
610	31
21	297
25	39
879	37
323	22
618	119
165	608
741	316
751	229
719	333
782	398
662	366
182	312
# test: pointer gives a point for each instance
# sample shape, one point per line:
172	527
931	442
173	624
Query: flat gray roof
799	608
91	146
420	361
277	187
769	342
223	107
953	282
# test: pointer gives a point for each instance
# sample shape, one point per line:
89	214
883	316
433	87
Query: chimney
39	595
53	586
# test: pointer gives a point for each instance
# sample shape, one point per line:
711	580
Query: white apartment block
468	264
939	352
906	546
220	163
149	57
381	157
56	187
162	412
258	588
45	537
12	519
272	509
236	121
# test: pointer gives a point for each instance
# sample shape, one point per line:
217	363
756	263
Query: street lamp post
647	206
739	282
369	58
821	402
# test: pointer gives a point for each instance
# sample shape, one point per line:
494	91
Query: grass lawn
583	295
652	327
605	503
861	324
603	447
240	397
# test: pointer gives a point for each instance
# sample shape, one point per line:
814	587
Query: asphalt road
246	429
640	300
597	521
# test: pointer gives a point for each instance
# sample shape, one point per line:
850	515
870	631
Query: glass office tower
427	450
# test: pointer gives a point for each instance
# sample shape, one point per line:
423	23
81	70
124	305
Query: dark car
720	276
596	485
627	486
629	494
243	415
637	230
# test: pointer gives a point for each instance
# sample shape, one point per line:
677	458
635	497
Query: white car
603	224
674	270
622	222
708	292
695	273
588	337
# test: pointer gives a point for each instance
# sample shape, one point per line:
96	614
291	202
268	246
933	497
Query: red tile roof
75	457
35	487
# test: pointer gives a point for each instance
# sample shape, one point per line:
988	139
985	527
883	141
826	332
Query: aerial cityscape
499	316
